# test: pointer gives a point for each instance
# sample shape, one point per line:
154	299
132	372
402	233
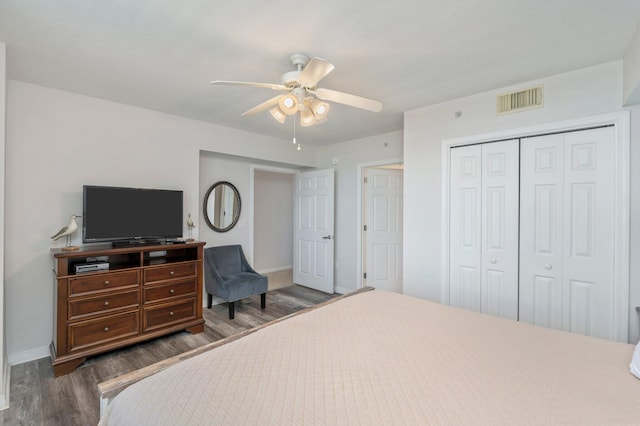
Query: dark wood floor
37	398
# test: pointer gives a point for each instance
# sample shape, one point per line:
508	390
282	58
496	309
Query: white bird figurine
190	225
67	231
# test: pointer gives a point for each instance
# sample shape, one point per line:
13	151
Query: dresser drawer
103	330
167	272
79	308
102	282
166	315
173	289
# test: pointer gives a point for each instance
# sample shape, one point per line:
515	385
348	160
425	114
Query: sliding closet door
483	270
566	240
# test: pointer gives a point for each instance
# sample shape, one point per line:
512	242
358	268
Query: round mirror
222	206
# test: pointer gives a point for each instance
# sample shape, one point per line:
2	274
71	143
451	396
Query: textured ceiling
162	54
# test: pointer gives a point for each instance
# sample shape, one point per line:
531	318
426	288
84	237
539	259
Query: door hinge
366	179
364	275
365	227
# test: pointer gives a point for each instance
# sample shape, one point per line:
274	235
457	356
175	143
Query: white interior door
465	258
383	224
567	229
500	174
313	232
483	270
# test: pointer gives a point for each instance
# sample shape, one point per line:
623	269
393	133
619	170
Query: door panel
465	268
483	273
313	232
541	212
500	171
566	239
383	235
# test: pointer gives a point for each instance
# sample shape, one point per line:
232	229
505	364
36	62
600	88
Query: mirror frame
236	216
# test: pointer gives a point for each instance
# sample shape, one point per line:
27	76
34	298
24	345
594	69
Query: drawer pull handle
106	303
106	282
172	291
171	313
106	329
171	273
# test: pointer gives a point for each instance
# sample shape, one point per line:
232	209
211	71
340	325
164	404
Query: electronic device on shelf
92	267
130	217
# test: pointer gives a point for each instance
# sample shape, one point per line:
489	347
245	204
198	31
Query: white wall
56	142
215	168
350	154
582	93
273	221
631	71
634	244
4	370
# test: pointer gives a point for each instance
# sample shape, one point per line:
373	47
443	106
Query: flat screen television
130	214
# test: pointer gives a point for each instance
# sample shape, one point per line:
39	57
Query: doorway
272	218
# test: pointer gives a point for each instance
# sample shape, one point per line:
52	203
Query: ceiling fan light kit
288	104
277	113
303	94
307	118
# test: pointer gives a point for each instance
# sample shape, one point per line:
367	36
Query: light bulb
294	140
299	148
288	102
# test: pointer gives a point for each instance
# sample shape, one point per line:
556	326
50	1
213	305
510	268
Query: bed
384	358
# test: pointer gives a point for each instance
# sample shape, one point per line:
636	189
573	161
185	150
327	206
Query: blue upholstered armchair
228	275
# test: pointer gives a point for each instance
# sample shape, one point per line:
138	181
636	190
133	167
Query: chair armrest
212	278
245	264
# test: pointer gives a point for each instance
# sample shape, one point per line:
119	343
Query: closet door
465	234
500	174
483	270
566	240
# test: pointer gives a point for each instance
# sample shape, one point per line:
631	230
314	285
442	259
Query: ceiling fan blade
263	106
347	99
250	84
315	70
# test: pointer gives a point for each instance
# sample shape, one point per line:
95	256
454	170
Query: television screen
112	214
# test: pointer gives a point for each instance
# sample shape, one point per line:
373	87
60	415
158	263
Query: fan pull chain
294	128
294	132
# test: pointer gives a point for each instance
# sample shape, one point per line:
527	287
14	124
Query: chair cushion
243	284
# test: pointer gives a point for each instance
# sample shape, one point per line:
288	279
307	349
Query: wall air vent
521	100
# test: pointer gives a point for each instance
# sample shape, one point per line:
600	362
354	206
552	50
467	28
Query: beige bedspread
383	358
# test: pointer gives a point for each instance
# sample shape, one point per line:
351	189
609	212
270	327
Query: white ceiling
162	54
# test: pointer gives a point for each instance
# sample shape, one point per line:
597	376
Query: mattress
384	358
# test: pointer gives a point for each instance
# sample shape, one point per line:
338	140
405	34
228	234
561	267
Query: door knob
548	267
327	237
493	261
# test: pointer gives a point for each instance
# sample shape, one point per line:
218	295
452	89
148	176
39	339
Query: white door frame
621	121
360	210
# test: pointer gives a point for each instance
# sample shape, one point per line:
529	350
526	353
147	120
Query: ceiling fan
302	94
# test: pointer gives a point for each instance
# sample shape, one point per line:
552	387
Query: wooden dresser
148	291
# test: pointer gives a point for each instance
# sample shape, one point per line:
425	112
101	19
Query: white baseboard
343	290
275	269
29	355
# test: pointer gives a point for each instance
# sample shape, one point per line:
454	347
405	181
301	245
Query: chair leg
209	300
263	300
231	309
